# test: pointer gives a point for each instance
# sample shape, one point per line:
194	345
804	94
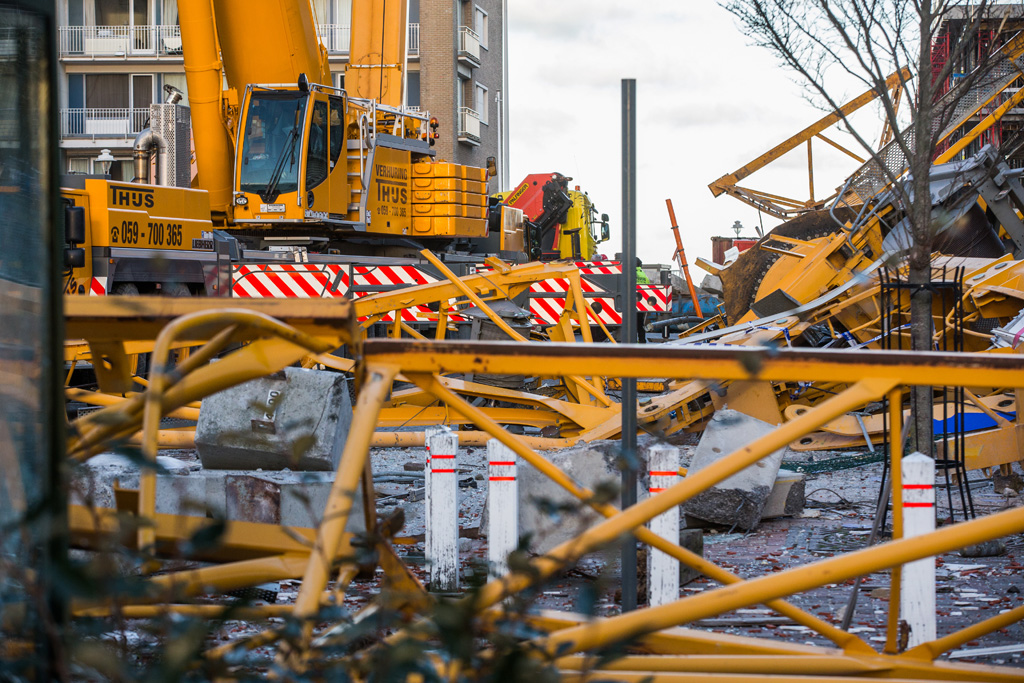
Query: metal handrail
151	40
102	122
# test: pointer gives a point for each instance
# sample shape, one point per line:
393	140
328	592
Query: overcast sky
707	103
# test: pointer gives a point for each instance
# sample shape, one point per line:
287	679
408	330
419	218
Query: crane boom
376	62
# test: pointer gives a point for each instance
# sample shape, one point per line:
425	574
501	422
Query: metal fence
117	41
102	123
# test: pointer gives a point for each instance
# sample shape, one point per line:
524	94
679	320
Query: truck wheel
176	289
127	289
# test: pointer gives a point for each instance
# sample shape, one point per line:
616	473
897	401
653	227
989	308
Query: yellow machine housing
152	222
305	154
580	217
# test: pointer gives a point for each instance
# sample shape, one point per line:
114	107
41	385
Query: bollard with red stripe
917	585
662	569
502	506
442	509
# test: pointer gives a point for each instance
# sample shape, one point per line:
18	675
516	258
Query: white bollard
662	569
917	584
442	509
502	506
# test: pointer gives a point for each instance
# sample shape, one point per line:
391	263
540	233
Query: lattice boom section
871	178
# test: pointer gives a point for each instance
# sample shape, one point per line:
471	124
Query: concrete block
787	497
297	420
294	499
92	483
692	540
549	513
184	494
739	500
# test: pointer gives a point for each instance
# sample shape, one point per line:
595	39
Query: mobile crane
302	189
285	161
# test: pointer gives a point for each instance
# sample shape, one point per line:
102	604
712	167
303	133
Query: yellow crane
279	148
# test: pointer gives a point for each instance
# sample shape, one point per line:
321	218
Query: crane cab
291	161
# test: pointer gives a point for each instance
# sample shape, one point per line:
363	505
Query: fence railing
119	41
336	37
469	45
102	123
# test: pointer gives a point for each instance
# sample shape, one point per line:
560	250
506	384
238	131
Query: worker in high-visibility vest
641	316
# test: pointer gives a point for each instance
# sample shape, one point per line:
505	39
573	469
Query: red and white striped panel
98	286
654	298
288	281
386	277
546	310
310	281
599	267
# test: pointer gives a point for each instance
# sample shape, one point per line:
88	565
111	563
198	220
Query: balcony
469	46
469	126
335	38
93	124
93	42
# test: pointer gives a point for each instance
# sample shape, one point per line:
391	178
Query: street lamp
105	159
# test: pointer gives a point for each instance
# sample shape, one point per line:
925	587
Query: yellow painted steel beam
602	676
126	318
717	187
468	292
779	665
467	438
710	363
377	384
241	540
504	283
97	398
208	612
623	628
680	641
934	648
419	416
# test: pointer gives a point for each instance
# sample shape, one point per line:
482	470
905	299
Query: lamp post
105	159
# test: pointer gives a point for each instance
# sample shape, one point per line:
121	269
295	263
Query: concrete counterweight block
740	499
298	419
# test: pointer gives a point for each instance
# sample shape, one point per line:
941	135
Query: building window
464	93
79	165
176	81
106	91
480	102
412	84
480	25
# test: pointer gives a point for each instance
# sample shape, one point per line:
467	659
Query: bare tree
862	42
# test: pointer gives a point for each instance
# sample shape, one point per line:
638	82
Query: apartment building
116	56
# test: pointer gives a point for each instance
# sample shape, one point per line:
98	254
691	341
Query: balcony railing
119	41
469	46
413	42
335	38
102	123
469	125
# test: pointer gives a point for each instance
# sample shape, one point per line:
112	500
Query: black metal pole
628	333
